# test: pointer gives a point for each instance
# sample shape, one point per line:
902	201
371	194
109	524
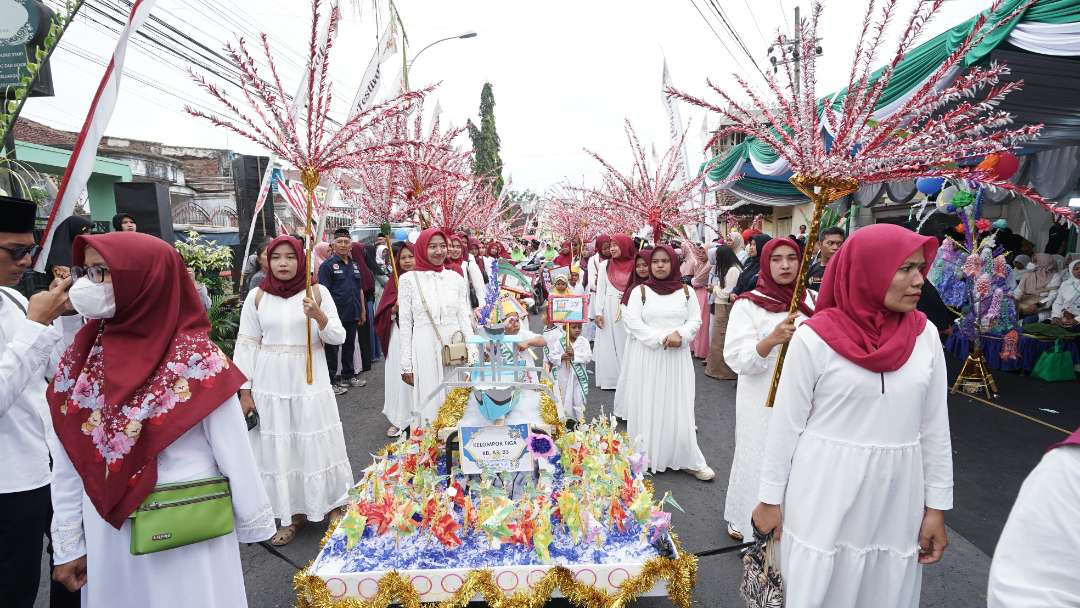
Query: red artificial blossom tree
574	214
382	193
303	134
941	129
650	198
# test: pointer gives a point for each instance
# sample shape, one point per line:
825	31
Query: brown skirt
715	367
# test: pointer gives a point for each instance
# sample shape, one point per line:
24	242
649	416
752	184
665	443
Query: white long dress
593	268
421	348
1036	559
206	574
397	396
855	457
619	407
611	338
660	381
476	283
299	444
748	323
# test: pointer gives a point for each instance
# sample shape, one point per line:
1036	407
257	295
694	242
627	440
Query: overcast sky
565	73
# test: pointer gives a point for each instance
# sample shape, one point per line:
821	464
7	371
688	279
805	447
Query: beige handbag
456	353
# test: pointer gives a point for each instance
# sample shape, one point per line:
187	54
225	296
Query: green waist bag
183	513
1055	365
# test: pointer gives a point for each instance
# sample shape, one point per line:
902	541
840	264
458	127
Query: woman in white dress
601	247
397	396
757	326
663	315
299	444
641	274
431	310
614	278
475	277
163	410
858	463
1035	560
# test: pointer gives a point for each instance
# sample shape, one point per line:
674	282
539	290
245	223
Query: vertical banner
364	98
81	163
675	124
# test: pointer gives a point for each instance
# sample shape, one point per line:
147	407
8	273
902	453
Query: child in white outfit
571	379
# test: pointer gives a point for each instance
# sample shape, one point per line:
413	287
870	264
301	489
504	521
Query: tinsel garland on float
590	504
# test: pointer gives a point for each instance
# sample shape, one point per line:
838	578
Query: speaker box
148	203
247	172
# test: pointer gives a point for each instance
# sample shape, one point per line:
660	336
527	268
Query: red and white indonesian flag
81	163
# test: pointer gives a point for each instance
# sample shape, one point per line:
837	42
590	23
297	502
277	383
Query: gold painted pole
310	178
821	191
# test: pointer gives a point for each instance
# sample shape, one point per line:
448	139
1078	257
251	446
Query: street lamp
460	36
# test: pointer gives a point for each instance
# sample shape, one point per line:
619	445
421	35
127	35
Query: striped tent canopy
1039	46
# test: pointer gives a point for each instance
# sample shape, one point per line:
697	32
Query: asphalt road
993	451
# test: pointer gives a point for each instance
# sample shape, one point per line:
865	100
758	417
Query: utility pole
786	50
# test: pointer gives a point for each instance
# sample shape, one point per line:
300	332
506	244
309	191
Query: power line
715	33
756	26
738	39
783	14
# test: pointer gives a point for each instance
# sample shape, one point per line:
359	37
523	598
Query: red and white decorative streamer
81	163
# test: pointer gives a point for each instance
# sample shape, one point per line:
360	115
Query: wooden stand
975	376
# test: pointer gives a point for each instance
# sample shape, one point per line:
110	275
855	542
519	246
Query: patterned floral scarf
131	385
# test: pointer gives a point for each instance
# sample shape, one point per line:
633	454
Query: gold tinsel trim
680	574
453	408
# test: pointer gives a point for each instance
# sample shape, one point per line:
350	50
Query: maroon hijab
359	255
635	280
619	269
851	316
769	294
455	265
564	259
285	289
421	246
672	282
163	375
383	320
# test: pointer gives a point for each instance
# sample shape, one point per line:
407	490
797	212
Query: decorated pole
821	192
310	178
951	117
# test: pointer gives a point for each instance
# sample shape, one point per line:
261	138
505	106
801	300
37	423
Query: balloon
929	185
400	234
1000	165
947	195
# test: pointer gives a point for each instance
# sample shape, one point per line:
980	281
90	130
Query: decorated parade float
499	501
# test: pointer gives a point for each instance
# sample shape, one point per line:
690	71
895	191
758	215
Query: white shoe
704	474
733	533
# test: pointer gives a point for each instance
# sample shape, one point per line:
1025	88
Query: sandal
285	535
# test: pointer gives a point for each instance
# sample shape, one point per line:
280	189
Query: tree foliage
485	140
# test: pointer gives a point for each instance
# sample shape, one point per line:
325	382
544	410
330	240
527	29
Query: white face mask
93	300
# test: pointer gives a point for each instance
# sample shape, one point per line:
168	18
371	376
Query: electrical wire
717	34
756	25
735	35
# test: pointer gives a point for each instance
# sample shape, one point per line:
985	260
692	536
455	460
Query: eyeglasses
19	252
96	274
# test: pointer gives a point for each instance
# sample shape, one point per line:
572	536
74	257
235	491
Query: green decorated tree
485	140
